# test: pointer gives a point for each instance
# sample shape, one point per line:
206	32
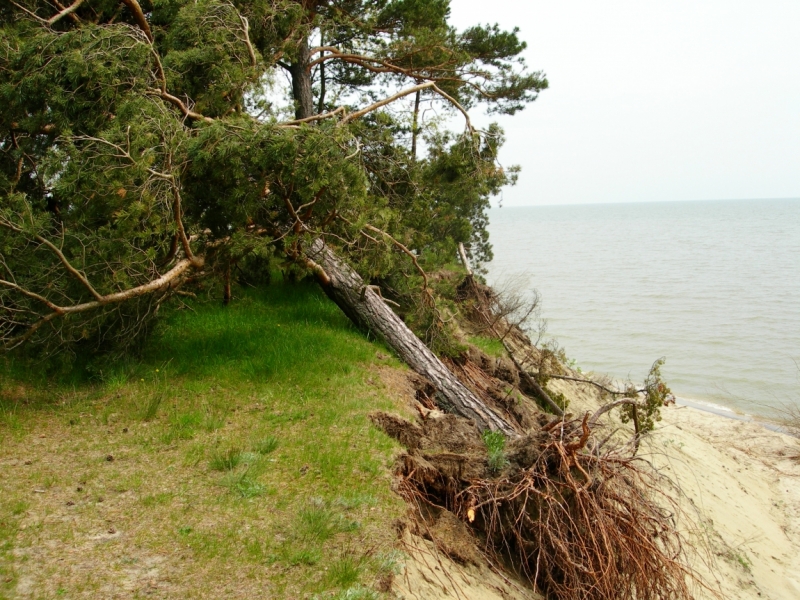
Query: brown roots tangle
575	525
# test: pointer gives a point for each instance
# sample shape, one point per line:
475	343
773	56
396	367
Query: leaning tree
144	147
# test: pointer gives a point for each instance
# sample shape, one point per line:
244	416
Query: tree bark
301	82
368	310
415	126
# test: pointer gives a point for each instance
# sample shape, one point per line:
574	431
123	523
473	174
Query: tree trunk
321	101
301	82
415	126
368	310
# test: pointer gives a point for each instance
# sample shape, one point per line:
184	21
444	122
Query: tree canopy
146	146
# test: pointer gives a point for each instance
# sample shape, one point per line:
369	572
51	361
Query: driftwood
368	311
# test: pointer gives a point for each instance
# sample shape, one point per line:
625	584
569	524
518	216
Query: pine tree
145	146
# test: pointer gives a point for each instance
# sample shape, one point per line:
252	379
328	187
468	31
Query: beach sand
740	490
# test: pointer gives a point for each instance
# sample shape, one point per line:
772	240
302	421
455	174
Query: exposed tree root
573	524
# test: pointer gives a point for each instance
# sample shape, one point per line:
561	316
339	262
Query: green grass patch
266	446
205	449
490	346
226	460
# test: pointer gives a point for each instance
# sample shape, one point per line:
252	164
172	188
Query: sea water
714	287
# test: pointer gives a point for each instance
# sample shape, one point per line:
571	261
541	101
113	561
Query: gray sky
653	100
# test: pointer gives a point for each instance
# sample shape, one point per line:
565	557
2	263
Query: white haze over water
712	286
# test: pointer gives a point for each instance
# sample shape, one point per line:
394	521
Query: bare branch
180	104
312	118
32	14
360	113
30	294
123	154
455	103
168	279
67	265
67	11
250	51
463	254
596	384
138	15
177	210
405	249
412	90
611	405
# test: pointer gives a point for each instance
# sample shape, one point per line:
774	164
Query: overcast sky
653	100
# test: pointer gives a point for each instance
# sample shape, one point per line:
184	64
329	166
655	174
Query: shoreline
729	413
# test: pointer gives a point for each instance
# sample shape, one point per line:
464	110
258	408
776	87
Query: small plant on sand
495	449
656	394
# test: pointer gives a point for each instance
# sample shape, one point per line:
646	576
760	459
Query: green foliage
490	346
559	398
144	153
656	394
495	449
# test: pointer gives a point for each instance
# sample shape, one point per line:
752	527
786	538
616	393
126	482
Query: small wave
728	413
708	406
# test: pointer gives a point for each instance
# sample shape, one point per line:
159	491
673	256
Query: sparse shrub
656	394
345	571
151	405
495	449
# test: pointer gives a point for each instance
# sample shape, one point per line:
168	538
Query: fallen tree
367	309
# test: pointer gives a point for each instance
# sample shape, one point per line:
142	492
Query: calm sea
712	286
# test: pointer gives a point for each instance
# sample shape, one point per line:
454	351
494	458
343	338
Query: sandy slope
741	495
746	492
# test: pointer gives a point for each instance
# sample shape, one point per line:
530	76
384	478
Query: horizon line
645	202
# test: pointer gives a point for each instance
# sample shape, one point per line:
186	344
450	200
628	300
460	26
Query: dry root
574	524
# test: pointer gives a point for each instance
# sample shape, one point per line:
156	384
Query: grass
490	345
225	461
232	459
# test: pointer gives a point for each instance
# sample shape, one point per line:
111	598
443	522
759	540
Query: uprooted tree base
572	523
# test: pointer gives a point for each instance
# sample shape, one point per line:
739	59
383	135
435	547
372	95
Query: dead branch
360	113
247	42
597	384
532	383
464	260
405	250
612	405
67	265
168	279
65	12
313	118
32	14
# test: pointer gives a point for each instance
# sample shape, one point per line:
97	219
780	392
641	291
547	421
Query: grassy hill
233	459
